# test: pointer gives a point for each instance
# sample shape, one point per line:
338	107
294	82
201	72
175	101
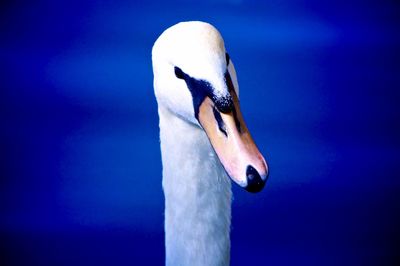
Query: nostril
254	180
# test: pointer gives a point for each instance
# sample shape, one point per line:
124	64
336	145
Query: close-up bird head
195	79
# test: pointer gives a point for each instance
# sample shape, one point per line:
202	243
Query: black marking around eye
200	89
179	73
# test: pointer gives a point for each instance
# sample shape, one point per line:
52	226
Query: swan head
195	79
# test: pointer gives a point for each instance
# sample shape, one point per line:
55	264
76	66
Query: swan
204	142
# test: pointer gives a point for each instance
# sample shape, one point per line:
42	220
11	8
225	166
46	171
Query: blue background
80	162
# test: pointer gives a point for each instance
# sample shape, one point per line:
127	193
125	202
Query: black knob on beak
254	180
224	104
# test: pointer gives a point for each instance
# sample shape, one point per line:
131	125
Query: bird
204	142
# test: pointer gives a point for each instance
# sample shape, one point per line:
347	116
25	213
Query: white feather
196	188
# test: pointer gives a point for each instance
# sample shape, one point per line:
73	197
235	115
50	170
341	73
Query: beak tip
254	181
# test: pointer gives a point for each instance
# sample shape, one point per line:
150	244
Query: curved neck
197	195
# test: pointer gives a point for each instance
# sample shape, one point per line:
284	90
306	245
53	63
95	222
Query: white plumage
196	186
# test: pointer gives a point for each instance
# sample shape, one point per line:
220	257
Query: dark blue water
80	172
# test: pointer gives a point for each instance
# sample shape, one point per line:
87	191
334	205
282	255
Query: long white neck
197	196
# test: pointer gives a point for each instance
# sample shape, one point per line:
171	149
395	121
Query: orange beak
233	144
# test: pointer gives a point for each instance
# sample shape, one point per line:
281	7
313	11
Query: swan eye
179	73
227	58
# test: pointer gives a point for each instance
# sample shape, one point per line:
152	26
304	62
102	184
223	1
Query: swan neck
197	195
